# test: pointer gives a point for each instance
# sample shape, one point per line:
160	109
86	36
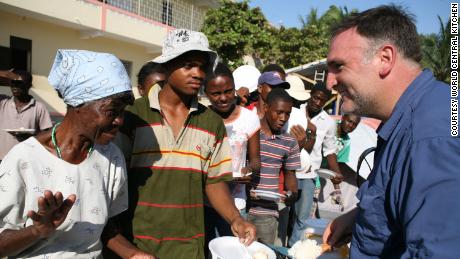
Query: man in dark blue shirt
409	206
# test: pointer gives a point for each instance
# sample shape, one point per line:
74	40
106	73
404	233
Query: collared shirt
277	152
32	116
409	207
325	141
168	175
343	146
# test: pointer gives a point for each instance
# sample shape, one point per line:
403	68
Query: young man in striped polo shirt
278	151
179	154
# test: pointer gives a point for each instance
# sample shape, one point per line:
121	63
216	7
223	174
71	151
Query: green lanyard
56	147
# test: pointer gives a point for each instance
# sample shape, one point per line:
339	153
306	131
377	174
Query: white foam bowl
230	248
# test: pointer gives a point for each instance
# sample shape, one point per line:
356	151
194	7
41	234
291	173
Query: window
21	53
18	55
166	15
5	58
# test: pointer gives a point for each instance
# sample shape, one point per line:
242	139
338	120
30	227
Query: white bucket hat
180	41
297	89
246	76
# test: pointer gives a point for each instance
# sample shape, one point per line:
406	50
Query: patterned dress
99	182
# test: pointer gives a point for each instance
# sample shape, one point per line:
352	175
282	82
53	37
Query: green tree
330	18
310	19
295	47
235	30
290	47
436	51
335	15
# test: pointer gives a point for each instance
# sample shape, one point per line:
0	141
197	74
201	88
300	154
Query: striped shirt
168	176
277	152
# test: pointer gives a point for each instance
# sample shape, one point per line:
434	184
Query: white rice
305	249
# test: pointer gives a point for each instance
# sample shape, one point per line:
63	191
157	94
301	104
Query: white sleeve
329	145
253	124
11	192
119	201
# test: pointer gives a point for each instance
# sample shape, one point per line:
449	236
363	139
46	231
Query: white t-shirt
239	131
99	182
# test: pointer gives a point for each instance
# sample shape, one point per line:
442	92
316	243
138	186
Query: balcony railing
175	13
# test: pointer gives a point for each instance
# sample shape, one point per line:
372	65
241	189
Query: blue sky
286	12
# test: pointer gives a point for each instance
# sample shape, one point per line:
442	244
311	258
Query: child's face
277	114
221	93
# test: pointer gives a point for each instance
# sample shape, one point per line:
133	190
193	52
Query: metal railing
175	13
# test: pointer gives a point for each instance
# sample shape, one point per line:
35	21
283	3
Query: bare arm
221	200
311	137
330	150
254	152
334	166
12	242
7	75
290	184
123	248
113	239
254	158
339	231
290	181
52	211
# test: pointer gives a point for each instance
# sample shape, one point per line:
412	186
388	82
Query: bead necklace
56	147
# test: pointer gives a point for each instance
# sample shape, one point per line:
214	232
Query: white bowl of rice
230	248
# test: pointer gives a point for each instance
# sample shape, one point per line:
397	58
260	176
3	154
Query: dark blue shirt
410	205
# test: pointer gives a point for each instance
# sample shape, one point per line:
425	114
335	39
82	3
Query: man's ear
259	88
140	88
265	107
387	59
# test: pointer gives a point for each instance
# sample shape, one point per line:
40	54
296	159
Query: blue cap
273	79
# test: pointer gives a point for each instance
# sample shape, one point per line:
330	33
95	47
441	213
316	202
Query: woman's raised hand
52	211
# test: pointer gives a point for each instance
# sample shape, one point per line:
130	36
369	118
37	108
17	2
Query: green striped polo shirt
167	176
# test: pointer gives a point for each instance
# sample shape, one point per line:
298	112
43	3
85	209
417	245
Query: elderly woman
74	160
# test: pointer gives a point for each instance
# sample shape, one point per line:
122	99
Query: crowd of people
162	175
